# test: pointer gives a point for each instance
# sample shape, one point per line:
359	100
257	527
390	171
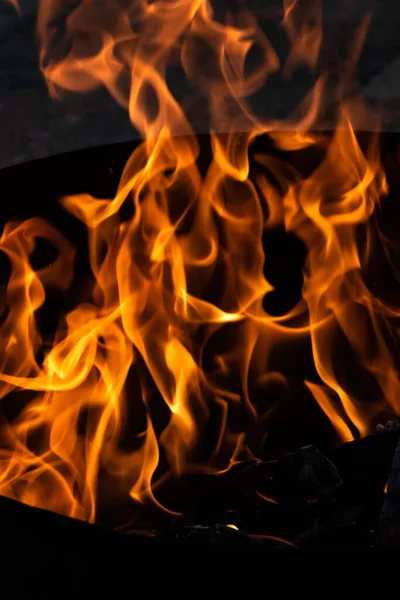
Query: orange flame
303	24
15	4
151	315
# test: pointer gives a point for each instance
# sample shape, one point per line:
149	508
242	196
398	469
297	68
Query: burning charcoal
298	476
265	497
389	426
352	519
279	498
364	465
323	503
389	534
221	535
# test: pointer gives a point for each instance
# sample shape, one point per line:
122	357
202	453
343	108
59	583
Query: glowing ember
178	298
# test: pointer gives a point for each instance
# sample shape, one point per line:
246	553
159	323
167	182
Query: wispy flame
185	276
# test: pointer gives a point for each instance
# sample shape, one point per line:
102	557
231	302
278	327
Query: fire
15	4
303	24
174	334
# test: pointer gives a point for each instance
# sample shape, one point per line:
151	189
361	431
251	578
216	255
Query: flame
302	22
16	5
266	498
152	374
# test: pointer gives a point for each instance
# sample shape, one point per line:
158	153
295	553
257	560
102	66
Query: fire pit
199	333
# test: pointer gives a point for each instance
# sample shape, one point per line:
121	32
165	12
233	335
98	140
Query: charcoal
389	528
324	503
392	425
218	534
296	477
274	496
328	502
364	466
304	497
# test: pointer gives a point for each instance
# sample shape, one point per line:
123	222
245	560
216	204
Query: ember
191	334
